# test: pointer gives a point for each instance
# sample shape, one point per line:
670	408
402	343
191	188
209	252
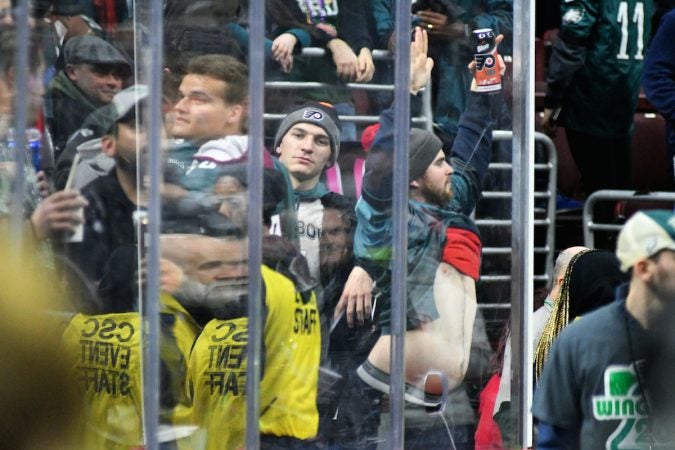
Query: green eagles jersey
288	386
602	95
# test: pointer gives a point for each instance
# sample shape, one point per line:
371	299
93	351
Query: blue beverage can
34	145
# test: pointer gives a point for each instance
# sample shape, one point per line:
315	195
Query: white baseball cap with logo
645	234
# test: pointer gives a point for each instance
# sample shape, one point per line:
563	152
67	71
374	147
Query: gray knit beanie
316	114
424	146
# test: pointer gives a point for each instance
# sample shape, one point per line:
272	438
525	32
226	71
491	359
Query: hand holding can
487	64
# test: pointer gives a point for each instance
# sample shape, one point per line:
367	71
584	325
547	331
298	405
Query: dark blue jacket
658	77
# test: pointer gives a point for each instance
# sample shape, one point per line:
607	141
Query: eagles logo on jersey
573	15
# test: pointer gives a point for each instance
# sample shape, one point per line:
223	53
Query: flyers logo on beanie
312	114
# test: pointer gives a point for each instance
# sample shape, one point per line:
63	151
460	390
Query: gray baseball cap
123	103
125	100
93	50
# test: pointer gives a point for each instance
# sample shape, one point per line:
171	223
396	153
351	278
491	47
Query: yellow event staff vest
104	351
105	355
288	387
179	332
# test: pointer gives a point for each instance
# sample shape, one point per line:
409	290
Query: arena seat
648	153
346	175
334	178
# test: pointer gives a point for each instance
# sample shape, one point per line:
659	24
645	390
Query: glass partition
282	223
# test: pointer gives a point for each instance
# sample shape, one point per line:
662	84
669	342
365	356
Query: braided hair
589	282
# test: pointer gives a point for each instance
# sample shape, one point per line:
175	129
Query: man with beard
208	275
596	390
113	198
443	243
211	272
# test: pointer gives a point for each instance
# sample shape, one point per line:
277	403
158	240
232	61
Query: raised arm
356	298
377	179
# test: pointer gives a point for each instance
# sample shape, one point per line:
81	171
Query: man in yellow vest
291	340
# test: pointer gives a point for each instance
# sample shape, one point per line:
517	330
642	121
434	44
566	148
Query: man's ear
644	270
237	110
414	184
71	71
245	105
108	145
236	113
559	281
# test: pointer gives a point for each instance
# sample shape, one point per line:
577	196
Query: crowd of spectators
327	274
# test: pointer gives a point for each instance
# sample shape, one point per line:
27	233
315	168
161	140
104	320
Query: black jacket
108	225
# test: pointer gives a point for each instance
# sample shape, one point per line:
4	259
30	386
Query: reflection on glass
10	155
326	261
103	340
292	345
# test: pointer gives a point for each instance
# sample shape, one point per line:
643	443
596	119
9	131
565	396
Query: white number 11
639	19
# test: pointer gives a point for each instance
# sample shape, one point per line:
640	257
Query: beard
663	287
225	299
435	196
127	165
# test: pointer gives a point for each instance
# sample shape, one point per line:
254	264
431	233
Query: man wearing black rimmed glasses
94	72
597	390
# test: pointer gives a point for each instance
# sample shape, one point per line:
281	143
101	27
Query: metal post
20	115
523	213
400	222
256	59
150	301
